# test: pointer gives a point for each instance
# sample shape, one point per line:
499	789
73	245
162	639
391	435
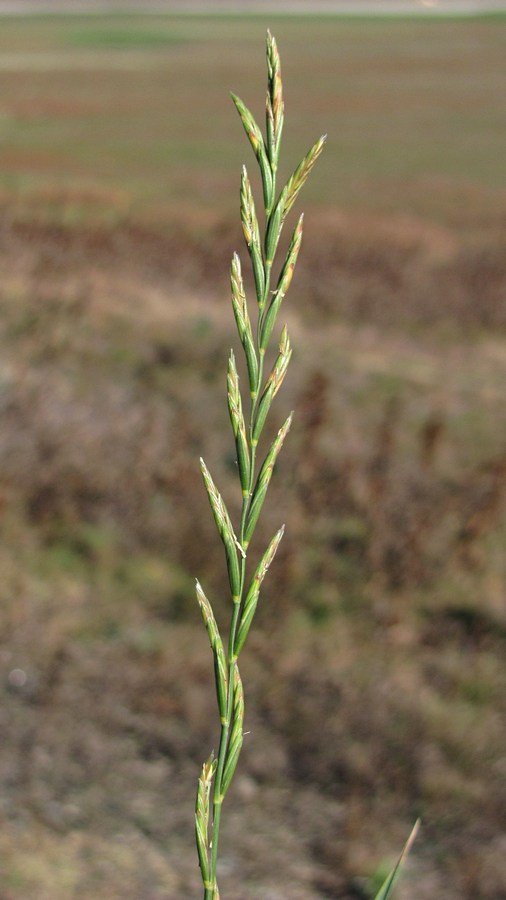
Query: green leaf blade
386	888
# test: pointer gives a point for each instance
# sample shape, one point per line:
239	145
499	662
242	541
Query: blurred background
375	678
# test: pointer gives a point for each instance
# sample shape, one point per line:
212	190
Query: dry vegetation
386	615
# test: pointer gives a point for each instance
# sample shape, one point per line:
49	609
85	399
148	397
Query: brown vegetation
391	692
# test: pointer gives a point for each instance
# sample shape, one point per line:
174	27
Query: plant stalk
228	682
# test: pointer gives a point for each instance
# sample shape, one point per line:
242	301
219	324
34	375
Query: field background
376	682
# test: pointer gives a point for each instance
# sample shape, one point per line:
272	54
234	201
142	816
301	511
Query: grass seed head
246	434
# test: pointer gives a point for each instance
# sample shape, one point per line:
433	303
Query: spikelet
250	604
224	526
274	105
284	282
272	386
220	664
257	142
202	813
251	233
243	323
236	735
263	480
238	425
300	175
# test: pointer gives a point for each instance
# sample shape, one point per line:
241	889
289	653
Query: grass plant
218	771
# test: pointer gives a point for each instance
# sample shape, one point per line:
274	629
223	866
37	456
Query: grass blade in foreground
388	884
218	772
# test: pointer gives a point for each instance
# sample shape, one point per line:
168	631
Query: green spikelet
257	142
220	663
243	323
236	736
250	604
252	235
238	425
224	526
272	386
284	282
263	481
202	812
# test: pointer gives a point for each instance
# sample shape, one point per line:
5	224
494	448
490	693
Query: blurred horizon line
273	7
